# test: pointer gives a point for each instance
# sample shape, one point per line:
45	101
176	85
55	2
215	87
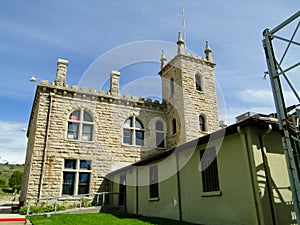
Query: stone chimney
61	73
114	83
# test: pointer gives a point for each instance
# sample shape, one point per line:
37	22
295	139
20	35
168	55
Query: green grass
99	219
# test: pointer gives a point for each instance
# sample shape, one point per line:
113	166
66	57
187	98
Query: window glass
209	170
87	132
128	123
73	130
84	164
127	136
70	163
80	127
74	178
133	132
159	125
87	117
198	82
83	183
75	115
174	128
68	183
153	180
172	86
160	140
201	123
139	137
138	124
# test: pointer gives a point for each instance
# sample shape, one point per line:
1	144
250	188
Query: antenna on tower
183	23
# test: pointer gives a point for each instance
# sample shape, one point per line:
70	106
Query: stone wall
49	145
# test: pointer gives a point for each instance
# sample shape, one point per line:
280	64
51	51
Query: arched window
174	126
160	134
80	126
172	88
198	82
133	132
202	123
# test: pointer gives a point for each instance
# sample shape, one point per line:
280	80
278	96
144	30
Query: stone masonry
48	143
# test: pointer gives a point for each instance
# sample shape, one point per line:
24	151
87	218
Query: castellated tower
188	88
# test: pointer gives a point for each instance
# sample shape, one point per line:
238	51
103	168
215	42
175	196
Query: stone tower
188	87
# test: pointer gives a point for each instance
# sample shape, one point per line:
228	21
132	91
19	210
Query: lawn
99	219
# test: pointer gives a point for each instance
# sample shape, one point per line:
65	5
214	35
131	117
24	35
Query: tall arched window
198	82
159	134
202	123
133	132
80	126
174	126
172	88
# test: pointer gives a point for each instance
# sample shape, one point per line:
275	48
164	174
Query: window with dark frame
202	123
153	181
76	177
198	82
209	170
133	132
80	126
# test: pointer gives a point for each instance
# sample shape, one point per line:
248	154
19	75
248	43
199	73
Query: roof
258	120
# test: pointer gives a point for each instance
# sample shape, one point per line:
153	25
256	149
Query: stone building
77	136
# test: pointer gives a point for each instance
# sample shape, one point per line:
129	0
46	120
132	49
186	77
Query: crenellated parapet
99	96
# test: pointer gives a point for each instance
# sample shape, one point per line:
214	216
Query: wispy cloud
12	141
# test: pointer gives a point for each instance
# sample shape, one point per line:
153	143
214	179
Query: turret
207	52
180	44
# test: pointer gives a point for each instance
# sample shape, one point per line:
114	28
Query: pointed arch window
133	132
202	123
198	82
80	126
160	134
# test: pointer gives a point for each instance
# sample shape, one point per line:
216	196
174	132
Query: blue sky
34	34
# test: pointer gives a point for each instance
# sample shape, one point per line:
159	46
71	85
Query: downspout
137	190
46	144
244	142
178	187
267	174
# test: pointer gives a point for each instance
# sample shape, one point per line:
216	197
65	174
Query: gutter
46	144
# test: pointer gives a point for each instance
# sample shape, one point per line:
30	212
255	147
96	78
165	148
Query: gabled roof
259	120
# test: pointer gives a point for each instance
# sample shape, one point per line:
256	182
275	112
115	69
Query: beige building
77	136
236	175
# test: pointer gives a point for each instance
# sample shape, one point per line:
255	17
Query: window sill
136	146
211	193
153	199
200	92
76	140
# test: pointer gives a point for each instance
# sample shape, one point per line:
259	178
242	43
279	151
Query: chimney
114	83
61	73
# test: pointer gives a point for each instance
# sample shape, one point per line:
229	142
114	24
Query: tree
3	182
15	180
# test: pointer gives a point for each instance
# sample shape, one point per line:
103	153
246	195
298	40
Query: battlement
99	96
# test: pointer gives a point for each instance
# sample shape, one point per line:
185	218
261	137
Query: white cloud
12	141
